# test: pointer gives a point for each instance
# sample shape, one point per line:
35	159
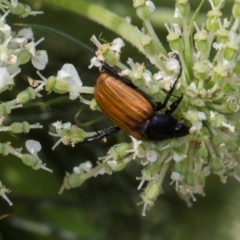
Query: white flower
135	149
117	44
69	74
177	157
151	155
229	126
150	5
26	33
14	3
6	30
40	59
33	147
95	62
177	13
173	65
5	78
83	167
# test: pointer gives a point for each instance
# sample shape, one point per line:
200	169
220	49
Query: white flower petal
40	59
33	146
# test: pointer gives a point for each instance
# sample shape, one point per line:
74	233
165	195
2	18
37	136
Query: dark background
104	207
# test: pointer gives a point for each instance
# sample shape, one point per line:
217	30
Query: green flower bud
30	160
26	96
181	167
183	7
236	9
217	164
73	135
119	151
18	127
199	179
148	46
217	2
117	165
57	86
138	3
212	21
150	170
201	43
217	119
236	68
201	70
151	193
4	148
5	109
73	180
202	153
22	10
230	51
222	36
175	42
233	145
233	104
190	178
23	56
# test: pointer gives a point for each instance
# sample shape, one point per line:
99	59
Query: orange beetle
131	110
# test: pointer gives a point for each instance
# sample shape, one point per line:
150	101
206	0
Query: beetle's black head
163	126
181	130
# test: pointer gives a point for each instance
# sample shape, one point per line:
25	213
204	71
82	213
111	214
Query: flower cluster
209	56
18	48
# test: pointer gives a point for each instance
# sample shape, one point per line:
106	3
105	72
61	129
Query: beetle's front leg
174	105
101	134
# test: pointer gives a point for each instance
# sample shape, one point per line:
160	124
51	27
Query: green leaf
102	16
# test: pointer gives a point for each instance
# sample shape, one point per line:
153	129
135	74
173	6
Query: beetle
132	110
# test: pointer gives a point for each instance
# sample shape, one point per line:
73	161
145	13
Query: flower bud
200	38
22	10
183	7
175	42
18	127
212	21
201	70
230	51
30	160
26	96
23	56
73	180
5	109
58	86
4	149
151	193
236	9
236	68
202	153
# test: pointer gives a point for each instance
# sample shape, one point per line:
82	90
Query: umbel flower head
209	56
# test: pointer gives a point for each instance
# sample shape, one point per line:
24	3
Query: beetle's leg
160	105
102	134
174	105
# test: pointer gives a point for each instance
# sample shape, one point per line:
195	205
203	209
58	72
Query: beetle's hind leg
101	134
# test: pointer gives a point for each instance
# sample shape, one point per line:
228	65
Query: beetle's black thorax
163	126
